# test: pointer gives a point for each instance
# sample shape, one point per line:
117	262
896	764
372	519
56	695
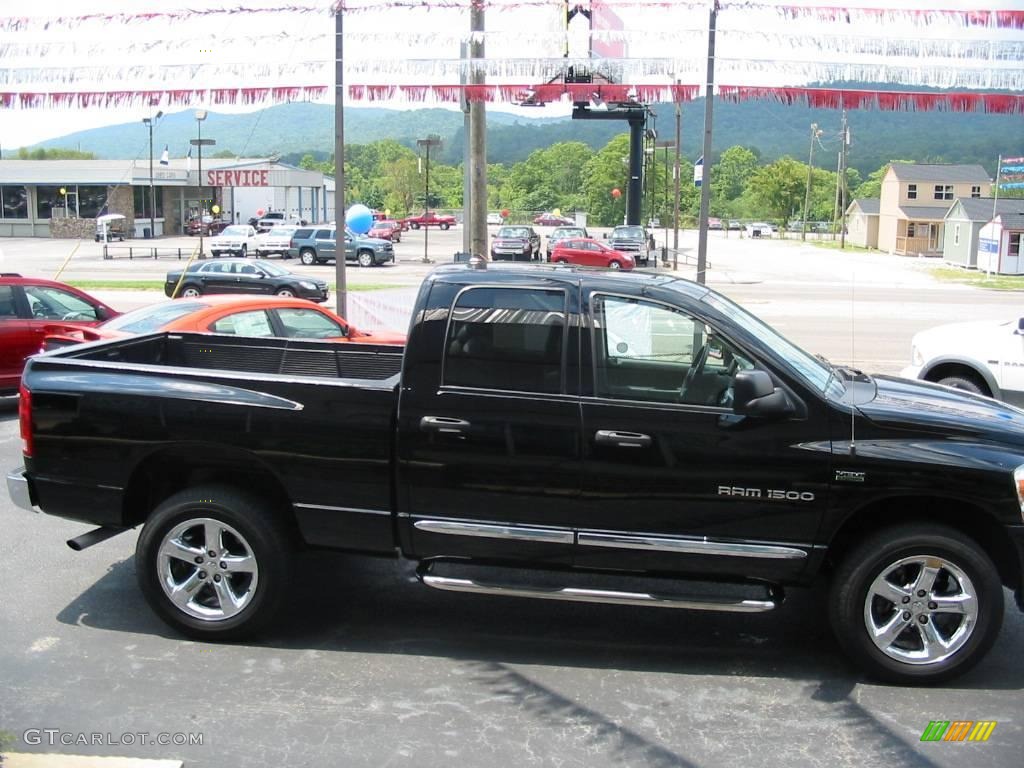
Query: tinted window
651	352
308	324
56	304
303	233
254	323
7	306
153	318
506	338
325	234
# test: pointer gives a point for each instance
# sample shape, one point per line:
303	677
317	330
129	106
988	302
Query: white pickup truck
236	240
982	357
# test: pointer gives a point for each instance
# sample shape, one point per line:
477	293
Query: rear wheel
917	604
307	257
214	562
365	259
191	292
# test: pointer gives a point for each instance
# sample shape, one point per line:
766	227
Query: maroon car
551	220
588	252
27	306
386	229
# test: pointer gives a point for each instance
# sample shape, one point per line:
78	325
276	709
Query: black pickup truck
547	432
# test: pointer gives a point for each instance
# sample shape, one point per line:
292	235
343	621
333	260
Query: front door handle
622	439
444	425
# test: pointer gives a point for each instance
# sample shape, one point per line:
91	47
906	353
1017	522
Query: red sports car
588	252
27	306
275	316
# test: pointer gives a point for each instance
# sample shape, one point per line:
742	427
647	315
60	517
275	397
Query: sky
391	45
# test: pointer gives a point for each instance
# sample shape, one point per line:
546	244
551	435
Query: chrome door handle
622	439
443	424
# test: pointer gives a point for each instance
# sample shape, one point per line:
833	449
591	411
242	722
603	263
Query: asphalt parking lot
368	668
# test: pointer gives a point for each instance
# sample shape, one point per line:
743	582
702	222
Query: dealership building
62	198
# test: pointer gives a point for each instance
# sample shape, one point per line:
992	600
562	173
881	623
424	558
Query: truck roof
492	272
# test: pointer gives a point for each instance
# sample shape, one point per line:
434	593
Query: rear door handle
622	439
444	424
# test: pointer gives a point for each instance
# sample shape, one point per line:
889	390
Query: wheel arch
971	520
941	367
172	469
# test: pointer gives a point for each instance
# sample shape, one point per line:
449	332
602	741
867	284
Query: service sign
247	178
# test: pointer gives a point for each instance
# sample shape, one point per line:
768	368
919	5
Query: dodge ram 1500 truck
547	432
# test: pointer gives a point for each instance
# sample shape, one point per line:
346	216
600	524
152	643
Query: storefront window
13	202
141	197
50	203
91	201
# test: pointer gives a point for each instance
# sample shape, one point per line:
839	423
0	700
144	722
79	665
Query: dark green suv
317	245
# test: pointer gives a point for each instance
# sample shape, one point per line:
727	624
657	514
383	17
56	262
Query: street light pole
427	143
149	122
200	142
815	133
666	145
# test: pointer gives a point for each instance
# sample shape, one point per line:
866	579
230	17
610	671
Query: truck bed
313	420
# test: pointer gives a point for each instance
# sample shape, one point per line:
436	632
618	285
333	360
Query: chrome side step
614	597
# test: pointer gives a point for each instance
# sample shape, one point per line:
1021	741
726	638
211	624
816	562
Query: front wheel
365	259
244	252
444	226
414	225
214	562
285	292
964	383
614	265
191	292
917	604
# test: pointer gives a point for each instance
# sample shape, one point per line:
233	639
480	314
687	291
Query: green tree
607	170
872	186
778	189
729	177
53	154
402	184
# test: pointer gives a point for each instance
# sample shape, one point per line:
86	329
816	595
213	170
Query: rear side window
508	339
301	234
325	234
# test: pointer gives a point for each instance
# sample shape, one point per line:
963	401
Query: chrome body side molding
689	546
493	531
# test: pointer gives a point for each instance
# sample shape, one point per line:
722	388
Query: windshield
568	232
236	231
513	232
153	318
272	269
815	371
634	232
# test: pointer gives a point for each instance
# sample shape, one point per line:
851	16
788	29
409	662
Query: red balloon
260	212
505	212
616	192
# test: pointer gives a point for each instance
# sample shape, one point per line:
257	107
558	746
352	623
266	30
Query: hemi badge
845	476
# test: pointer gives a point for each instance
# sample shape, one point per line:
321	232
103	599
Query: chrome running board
614	597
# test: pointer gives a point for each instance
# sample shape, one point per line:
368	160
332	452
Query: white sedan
236	240
982	357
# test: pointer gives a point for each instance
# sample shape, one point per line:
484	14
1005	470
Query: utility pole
427	143
666	145
467	204
705	184
675	206
478	137
200	142
339	162
843	202
815	133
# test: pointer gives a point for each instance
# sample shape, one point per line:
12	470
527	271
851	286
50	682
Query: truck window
652	352
506	338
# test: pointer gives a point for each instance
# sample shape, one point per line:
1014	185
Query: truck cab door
489	425
673	479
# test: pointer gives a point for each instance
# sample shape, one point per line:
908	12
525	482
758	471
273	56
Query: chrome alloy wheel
921	610
207	569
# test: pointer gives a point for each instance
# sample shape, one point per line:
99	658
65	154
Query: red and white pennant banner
178	97
1010	19
888	101
524	94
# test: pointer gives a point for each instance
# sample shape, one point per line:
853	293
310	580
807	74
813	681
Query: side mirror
755	394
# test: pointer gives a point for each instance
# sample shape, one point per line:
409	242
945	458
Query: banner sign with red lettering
249	178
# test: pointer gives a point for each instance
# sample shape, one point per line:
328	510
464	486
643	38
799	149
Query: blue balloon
359	219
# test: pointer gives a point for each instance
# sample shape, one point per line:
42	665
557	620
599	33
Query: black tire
444	226
215	254
307	257
949	550
965	382
190	291
286	292
414	225
614	265
244	252
250	533
365	258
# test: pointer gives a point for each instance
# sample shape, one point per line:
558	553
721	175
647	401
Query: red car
588	252
551	220
27	306
274	316
386	229
430	219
